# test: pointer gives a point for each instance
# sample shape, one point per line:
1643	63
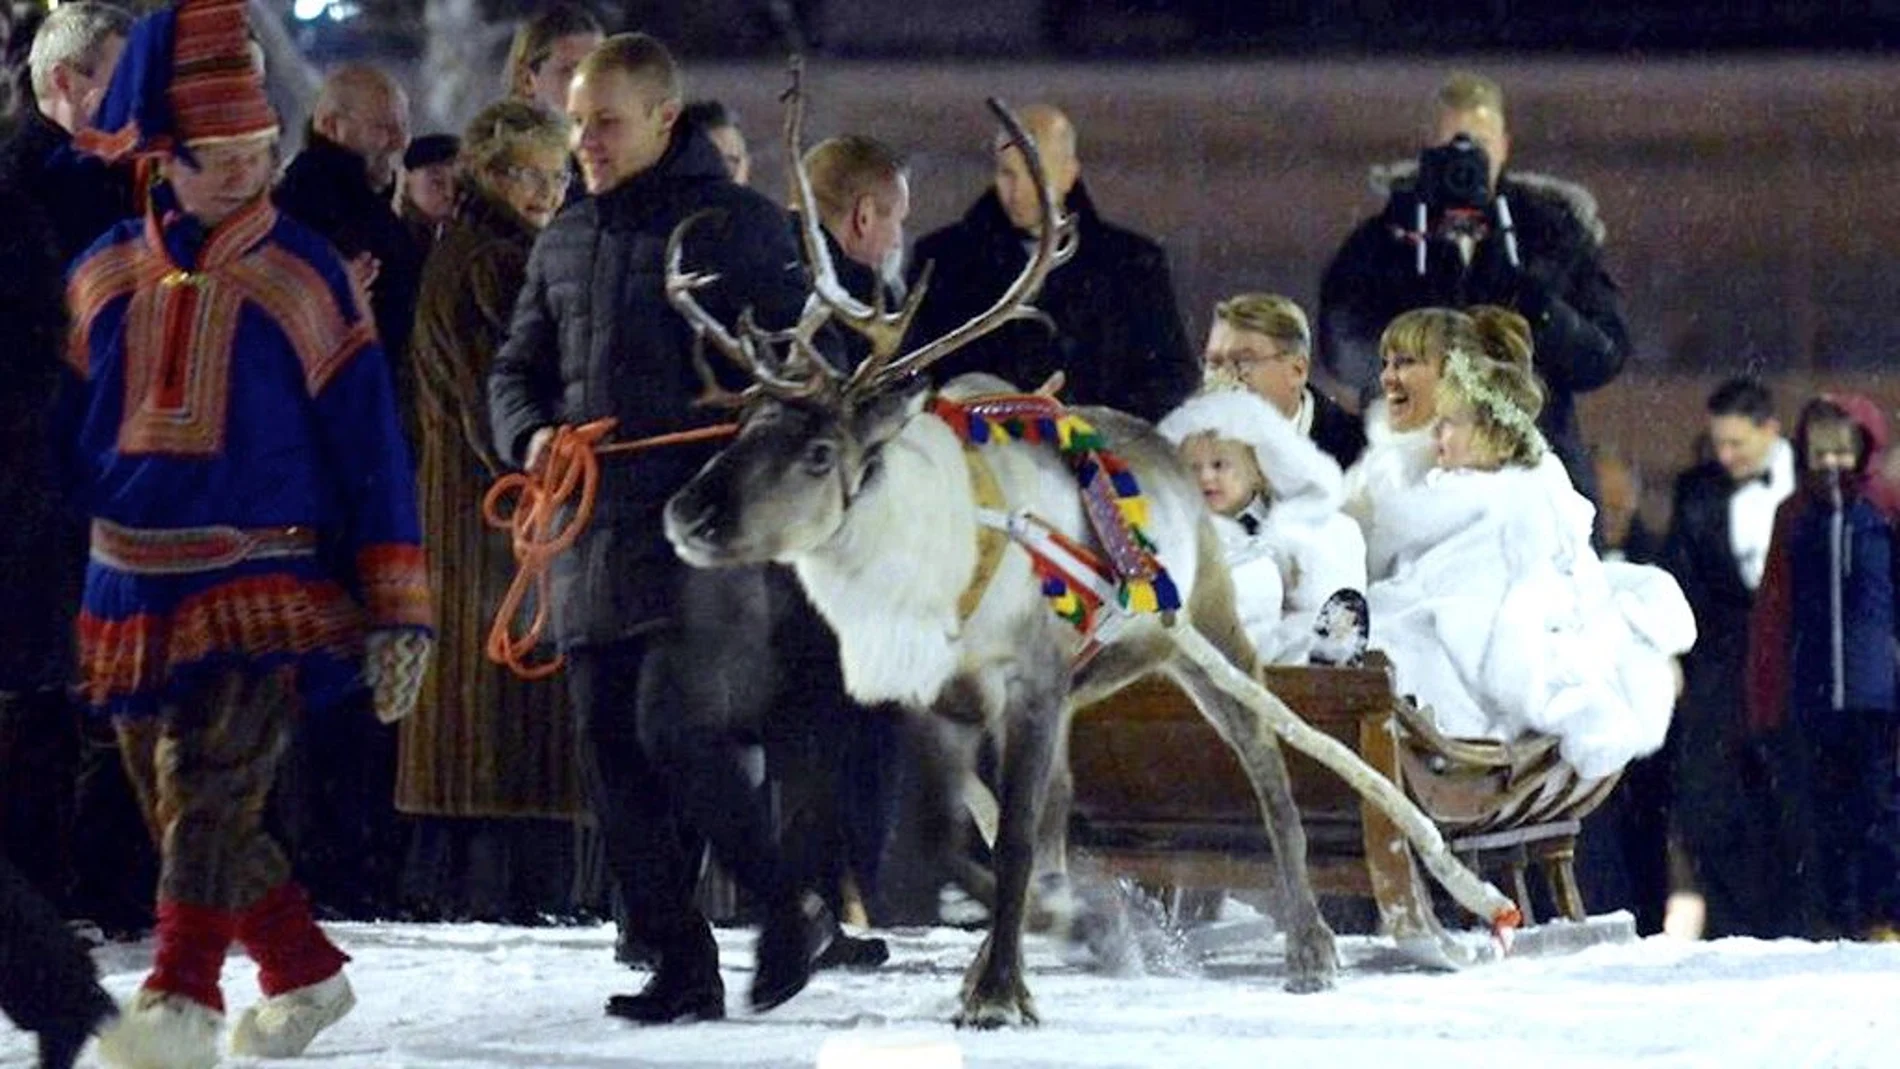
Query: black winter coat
1562	289
78	195
1118	335
594	336
42	542
327	189
1338	433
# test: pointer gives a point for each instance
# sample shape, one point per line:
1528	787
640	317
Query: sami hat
189	76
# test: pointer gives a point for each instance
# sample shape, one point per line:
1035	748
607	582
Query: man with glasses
1262	341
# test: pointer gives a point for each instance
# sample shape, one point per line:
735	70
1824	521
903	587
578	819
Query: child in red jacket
1822	659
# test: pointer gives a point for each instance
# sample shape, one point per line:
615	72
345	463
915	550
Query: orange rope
569	463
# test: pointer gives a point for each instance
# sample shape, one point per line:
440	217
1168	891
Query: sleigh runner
1159	799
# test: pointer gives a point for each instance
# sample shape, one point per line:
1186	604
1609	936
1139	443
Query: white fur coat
1500	618
1393	461
1315	549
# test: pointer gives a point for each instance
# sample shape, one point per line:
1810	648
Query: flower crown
1461	372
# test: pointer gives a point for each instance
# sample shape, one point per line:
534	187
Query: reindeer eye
820	457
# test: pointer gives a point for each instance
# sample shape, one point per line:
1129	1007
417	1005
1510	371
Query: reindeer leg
1054	907
994	990
1311	957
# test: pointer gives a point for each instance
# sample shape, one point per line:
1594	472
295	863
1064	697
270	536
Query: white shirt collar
1303	419
1751	513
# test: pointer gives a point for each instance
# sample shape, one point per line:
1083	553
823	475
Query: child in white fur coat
1289	546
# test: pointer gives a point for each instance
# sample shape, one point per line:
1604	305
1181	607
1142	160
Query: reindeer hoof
991	1014
1311	960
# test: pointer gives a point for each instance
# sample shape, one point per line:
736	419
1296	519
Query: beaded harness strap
1078	581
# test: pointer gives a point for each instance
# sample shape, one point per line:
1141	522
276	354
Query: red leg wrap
191	945
279	934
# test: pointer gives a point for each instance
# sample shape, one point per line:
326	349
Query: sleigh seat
1160	798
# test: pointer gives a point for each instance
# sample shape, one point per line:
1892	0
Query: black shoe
793	940
60	1044
685	987
632	953
852	952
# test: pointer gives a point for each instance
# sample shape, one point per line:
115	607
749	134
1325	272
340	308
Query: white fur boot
281	1026
159	1030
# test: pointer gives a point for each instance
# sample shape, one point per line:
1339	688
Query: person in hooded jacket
1821	663
1289	518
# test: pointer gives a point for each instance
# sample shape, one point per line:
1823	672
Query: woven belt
182	550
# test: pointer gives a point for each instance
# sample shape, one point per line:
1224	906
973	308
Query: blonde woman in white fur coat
1497	614
1291	518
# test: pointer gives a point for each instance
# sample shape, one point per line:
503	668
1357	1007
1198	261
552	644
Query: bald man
342	185
1118	334
344	830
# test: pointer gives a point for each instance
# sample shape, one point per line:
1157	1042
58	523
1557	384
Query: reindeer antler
744	348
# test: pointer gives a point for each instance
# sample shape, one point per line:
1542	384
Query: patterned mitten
394	666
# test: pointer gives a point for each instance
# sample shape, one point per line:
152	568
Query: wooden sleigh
1160	798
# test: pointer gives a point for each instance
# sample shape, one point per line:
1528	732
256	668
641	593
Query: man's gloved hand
393	665
1492	278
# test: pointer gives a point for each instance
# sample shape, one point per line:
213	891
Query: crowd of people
243	685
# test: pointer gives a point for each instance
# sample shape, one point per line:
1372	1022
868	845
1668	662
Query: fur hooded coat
1314	549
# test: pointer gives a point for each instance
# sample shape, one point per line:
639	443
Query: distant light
334	10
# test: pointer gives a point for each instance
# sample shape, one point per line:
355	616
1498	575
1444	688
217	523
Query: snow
491	997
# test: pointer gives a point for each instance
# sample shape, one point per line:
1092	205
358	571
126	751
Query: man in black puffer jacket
1547	267
667	665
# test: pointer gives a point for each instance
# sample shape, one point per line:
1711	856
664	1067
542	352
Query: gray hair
73	34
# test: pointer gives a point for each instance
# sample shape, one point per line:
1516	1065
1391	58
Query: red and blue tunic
234	438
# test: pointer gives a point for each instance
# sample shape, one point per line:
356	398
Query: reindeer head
811	436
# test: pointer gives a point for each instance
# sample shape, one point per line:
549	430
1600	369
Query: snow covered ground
488	997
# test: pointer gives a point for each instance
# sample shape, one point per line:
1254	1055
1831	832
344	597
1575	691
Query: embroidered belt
182	550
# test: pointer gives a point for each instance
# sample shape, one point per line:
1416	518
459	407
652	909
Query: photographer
1456	231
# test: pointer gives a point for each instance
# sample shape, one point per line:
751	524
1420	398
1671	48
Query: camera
1455	176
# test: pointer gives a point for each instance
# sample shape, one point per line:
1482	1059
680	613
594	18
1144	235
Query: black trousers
39	763
665	719
46	977
1855	811
662	719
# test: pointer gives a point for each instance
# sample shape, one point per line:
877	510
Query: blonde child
1276	498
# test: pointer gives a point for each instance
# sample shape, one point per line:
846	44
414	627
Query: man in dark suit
1716	548
1263	340
1117	335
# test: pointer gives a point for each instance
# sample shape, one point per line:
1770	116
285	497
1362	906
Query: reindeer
854	481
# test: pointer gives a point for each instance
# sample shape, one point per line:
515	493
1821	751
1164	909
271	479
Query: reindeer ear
878	418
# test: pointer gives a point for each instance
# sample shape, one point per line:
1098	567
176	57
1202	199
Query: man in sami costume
255	553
